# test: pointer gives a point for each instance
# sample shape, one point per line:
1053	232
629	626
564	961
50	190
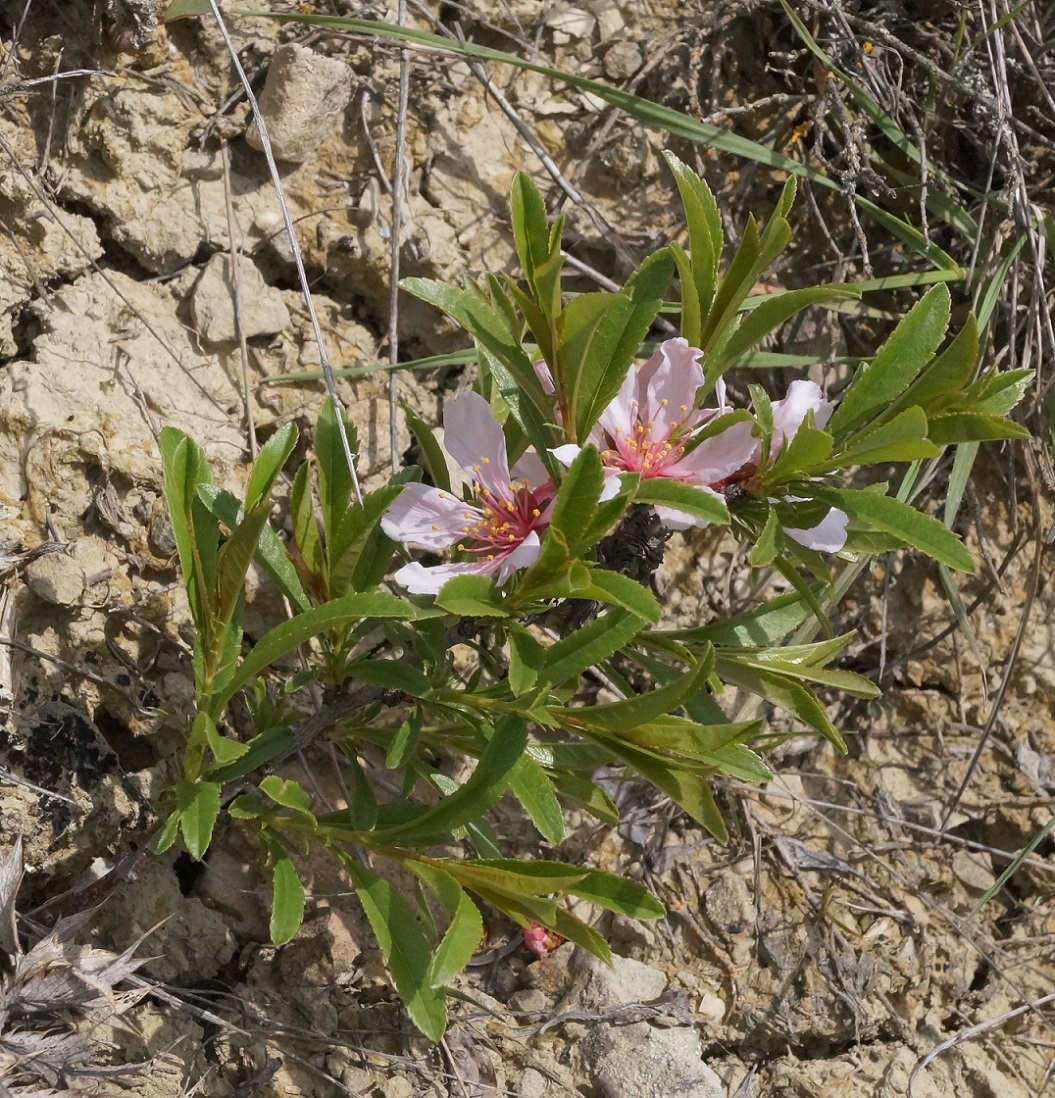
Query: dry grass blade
54	998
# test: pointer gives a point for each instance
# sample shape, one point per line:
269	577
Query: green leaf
615	589
288	794
488	326
687	790
619	334
536	247
463	937
903	438
594	643
339	613
305	525
392	675
167	834
705	246
618	894
589	335
902	357
779	690
891	516
259	751
698	502
287	903
770	542
623	715
198	804
957	427
472	597
479	792
195	531
577	496
269	464
425	437
766	624
331	469
404	946
531	785
773	311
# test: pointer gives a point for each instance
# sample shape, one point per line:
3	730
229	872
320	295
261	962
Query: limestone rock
302	101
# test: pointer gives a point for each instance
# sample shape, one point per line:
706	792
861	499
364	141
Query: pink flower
649	425
539	940
500	527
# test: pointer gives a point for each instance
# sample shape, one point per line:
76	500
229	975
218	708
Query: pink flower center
498	526
639	450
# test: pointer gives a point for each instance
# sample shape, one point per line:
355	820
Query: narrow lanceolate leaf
531	786
773	312
902	357
269	464
698	502
631	712
903	438
332	615
781	691
618	894
405	948
476	796
616	589
459	944
705	245
472	597
287	903
623	329
594	643
891	516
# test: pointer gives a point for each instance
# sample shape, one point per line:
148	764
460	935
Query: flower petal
667	386
529	467
788	414
523	556
427	516
828	536
474	439
718	457
421	580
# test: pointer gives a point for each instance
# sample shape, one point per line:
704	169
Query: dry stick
399	181
976	1031
294	244
234	244
1012	659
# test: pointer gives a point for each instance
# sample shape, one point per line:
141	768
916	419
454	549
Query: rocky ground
832	948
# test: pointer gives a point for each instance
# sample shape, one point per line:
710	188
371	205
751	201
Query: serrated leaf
472	597
698	502
957	427
911	345
618	894
405	948
615	589
268	465
288	794
339	613
779	690
903	438
462	939
594	643
531	785
476	795
198	804
891	516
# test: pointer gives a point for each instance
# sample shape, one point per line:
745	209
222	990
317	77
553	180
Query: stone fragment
634	1061
622	61
212	302
302	101
56	578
